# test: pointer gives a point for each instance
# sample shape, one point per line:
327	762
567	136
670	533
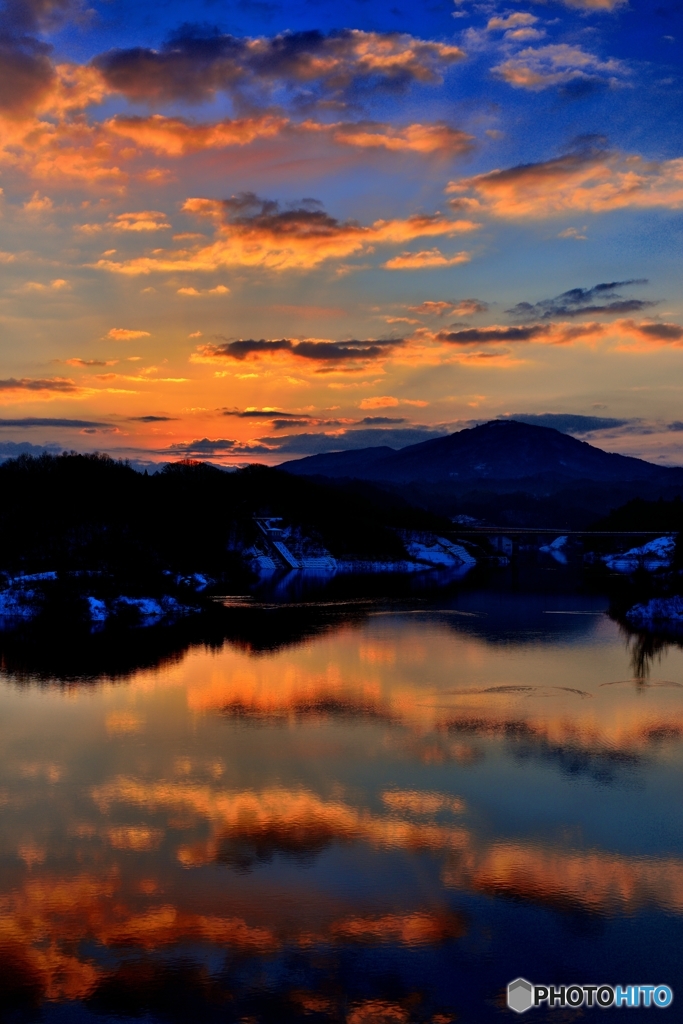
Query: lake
353	811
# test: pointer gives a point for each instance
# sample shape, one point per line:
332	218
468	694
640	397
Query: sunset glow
229	235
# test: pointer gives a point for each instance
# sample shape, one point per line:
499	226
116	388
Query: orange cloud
174	136
134	837
256	232
645	335
142	220
381	402
595	5
84	363
220	289
425	259
123	334
598	882
38	204
253	823
68	149
417	802
58	285
417	929
585	182
414	138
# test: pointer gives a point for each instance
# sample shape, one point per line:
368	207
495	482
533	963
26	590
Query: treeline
639	514
91	513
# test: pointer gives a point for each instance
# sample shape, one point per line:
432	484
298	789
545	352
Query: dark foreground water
381	819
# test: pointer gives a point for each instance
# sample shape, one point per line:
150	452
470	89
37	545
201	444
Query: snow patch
555	549
98	609
147	611
19	604
437	551
34	578
662	611
656	554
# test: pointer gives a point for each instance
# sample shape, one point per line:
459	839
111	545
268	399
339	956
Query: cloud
26	74
318	443
495	334
38	204
583	302
587	180
38	15
475	345
205	446
380	402
425	259
595	5
28	422
220	289
625	335
57	385
251	231
58	285
152	419
574	233
599	6
286	420
13	449
303	421
657	332
142	220
265	414
556	64
112	152
570	423
89	362
175	136
520	19
312	350
381	421
195	63
426	139
123	334
466	307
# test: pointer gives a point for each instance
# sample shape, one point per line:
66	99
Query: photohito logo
522	995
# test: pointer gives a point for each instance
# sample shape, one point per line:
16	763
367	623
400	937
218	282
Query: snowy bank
665	612
656	554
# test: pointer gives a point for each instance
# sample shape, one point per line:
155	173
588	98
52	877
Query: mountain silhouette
501	452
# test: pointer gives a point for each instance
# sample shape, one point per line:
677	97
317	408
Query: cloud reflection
591	880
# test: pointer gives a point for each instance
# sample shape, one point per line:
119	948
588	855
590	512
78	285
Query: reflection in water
381	816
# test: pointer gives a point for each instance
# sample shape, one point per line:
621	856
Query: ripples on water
339	812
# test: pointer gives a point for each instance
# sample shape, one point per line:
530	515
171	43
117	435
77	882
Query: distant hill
500	453
505	473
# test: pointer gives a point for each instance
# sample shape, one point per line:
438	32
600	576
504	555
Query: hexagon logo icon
520	995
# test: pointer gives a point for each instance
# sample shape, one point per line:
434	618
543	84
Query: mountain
505	473
501	454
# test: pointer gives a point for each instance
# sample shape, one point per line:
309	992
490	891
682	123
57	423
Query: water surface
373	815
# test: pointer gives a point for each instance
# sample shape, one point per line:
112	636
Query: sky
253	231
